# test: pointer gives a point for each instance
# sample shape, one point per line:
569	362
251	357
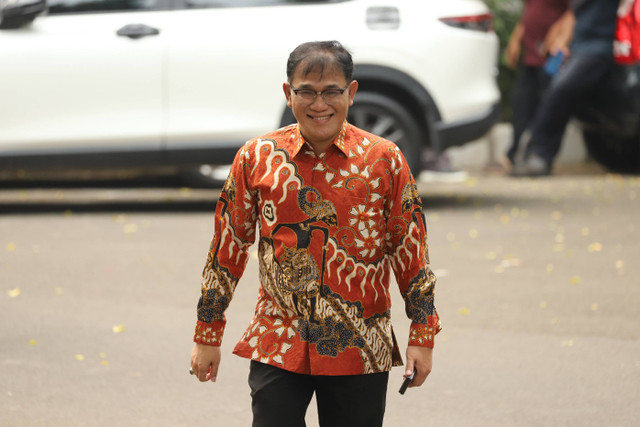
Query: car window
73	6
247	3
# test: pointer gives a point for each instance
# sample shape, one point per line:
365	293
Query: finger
209	377
213	372
202	373
410	368
421	376
417	380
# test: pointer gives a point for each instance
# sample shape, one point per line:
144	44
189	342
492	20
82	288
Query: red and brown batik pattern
332	228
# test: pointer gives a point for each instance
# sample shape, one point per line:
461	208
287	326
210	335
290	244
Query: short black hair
318	56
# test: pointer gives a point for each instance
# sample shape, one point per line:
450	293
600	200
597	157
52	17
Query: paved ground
538	293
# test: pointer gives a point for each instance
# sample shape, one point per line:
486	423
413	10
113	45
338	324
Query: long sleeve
407	247
235	220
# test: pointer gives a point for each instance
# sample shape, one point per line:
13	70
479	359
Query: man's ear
286	87
353	88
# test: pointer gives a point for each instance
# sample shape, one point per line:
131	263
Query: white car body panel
81	87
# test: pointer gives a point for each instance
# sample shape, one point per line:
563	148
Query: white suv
121	83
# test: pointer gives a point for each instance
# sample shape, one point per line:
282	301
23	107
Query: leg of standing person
279	398
531	81
352	400
567	89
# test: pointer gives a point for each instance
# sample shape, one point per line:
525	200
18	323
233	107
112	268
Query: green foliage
506	14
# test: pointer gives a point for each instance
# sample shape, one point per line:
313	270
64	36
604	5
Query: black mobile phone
407	380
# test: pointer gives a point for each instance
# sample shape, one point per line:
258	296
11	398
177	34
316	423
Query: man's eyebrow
310	86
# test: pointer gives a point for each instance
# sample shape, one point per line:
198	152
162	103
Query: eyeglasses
329	96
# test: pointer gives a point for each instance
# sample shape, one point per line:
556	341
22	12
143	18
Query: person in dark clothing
524	53
585	35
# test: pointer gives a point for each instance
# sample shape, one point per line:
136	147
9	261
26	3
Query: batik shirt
331	229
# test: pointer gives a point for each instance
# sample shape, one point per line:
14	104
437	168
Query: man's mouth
321	118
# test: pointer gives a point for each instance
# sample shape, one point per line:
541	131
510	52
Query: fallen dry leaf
130	228
595	247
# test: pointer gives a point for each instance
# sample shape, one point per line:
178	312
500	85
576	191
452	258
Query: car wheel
385	117
618	154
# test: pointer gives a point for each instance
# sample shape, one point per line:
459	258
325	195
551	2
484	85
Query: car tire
618	154
387	118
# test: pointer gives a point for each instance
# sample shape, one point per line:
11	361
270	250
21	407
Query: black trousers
531	82
280	398
568	91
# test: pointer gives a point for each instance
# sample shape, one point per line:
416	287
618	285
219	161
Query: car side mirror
17	13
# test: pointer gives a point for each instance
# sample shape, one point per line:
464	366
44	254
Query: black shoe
532	166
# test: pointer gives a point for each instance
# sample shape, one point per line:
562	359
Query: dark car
610	121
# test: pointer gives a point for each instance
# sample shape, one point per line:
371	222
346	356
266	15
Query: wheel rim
378	123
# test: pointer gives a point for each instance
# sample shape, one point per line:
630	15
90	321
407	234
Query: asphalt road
538	292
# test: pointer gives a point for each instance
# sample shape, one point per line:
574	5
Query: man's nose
319	101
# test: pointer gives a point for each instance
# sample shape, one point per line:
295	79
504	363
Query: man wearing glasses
338	212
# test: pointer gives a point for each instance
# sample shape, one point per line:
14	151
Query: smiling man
319	92
337	211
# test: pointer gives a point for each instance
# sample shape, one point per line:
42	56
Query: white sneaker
443	176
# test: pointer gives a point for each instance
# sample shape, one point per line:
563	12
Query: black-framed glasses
329	96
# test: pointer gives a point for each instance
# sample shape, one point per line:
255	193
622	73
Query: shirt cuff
421	335
209	333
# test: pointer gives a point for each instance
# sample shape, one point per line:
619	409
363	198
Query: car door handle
137	31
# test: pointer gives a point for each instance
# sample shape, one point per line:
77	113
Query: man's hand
512	51
512	55
205	360
559	36
420	359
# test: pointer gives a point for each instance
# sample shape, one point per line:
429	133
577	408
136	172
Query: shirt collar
339	140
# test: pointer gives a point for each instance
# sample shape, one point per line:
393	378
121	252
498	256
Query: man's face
320	122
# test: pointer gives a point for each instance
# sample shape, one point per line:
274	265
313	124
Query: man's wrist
209	333
421	335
